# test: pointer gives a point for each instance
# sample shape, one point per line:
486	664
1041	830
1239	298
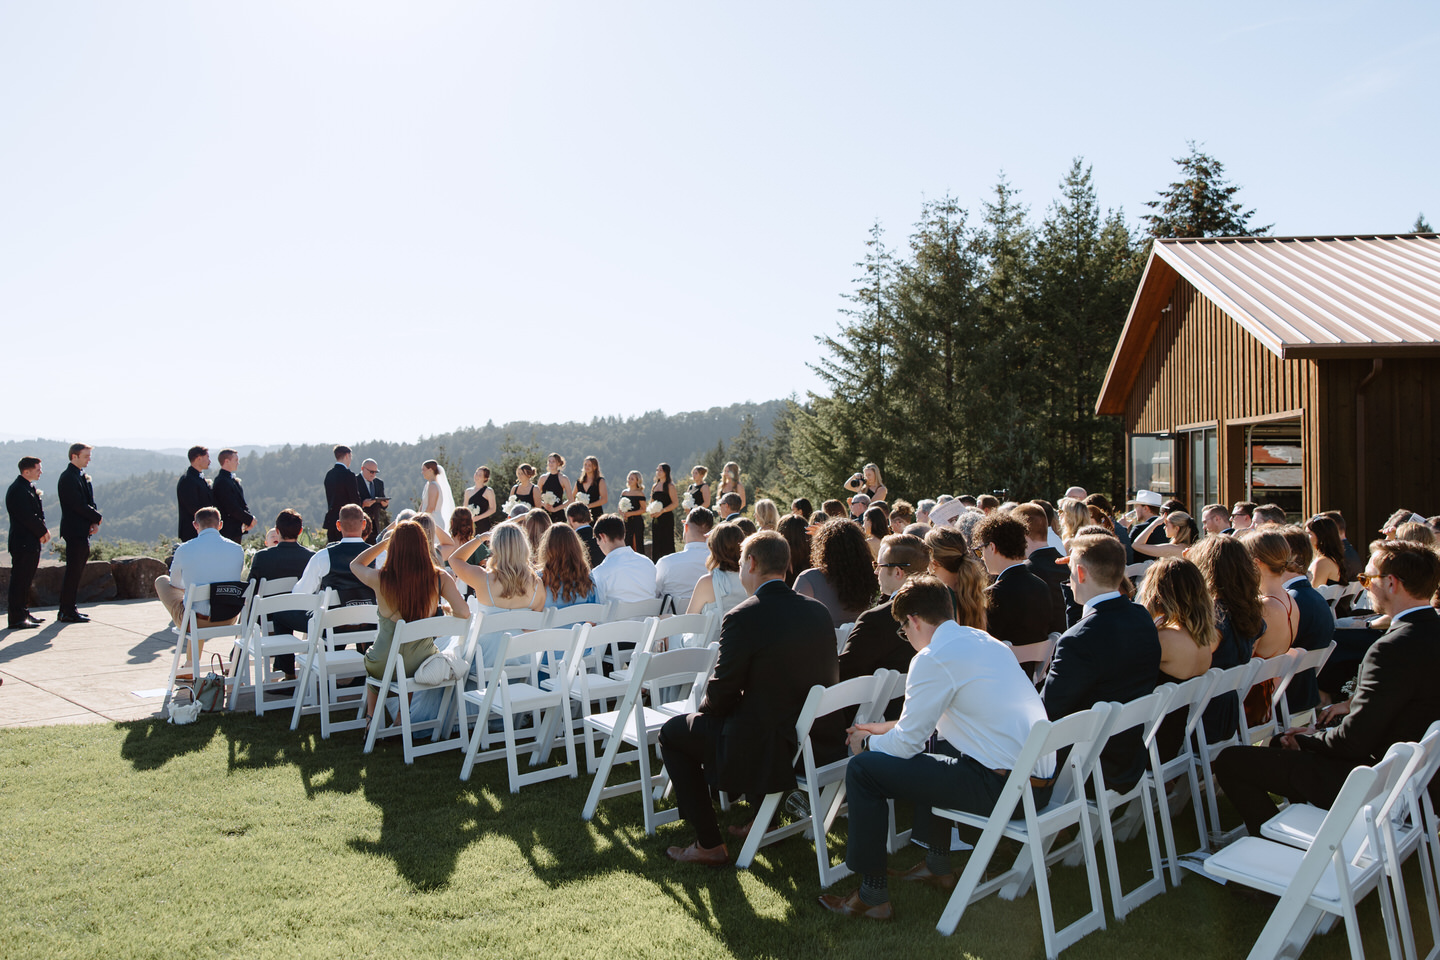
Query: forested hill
142	506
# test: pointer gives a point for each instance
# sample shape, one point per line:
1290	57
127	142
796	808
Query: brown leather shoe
710	857
921	874
741	831
853	906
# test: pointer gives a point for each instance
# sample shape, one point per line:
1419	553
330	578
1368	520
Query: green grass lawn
236	837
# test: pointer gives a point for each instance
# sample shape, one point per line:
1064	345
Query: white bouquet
655	507
625	506
549	499
688	502
584	498
510	504
474	510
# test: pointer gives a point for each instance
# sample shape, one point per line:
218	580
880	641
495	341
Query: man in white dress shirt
966	685
677	573
624	574
209	558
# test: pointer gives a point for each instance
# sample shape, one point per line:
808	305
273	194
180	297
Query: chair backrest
1331	592
842	634
696	624
857	692
1300	661
197	592
361	614
892	686
676	667
560	644
577	613
263	608
1138	569
1146	712
610	635
1083	732
408	631
635	609
514	620
1039	652
269	588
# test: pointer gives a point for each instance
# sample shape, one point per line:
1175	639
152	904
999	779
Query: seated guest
1242	515
1234	584
505	581
1113	653
1175	594
1043	560
720	590
952	563
330	568
1214	518
209	558
987	504
876	643
1403	515
1396	698
624	574
1354	563
901	516
1328	565
577	515
1314	623
796	533
1414	532
1179	529
677	573
922	511
774	647
1018	604
876	527
801	508
833	509
1268	513
563	568
729	507
746	525
1074	514
842	572
535	522
964	685
283	558
858	505
767	515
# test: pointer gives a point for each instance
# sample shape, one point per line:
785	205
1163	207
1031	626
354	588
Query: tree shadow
152	743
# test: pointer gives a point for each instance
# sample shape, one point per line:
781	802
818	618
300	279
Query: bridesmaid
699	490
482	498
525	490
634	517
662	529
730	483
558	484
592	484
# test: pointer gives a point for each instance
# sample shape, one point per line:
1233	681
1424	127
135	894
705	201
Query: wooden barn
1303	371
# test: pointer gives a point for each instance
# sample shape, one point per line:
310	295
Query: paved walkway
112	668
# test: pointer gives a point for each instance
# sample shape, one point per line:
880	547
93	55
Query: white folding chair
503	698
272	588
634	609
1332	593
1417	837
260	643
824	786
1192	696
1036	656
1277	669
1304	660
1232	680
1084	733
397	683
556	617
190	637
842	635
635	725
1136	571
1341	866
589	687
322	666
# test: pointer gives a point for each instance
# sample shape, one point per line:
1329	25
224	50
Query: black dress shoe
23	625
72	617
33	620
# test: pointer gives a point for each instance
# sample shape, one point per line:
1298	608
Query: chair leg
758	828
647	802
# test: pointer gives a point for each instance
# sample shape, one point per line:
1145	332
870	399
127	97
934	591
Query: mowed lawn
235	837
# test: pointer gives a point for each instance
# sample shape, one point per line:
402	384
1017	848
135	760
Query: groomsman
341	487
192	491
372	498
79	520
27	536
235	515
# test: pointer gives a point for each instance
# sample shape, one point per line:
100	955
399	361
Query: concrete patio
111	669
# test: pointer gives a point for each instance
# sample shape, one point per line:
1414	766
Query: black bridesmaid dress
551	484
477	500
593	492
662	528
532	498
635	526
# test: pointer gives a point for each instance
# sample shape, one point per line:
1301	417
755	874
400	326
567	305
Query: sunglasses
878	565
1368	578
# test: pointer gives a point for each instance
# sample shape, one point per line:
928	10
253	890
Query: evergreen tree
1421	226
1201	204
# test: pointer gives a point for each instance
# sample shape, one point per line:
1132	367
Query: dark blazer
1113	654
1018	607
378	514
1042	564
592	549
774	646
341	487
286	559
1354	563
27	516
1315	629
874	644
192	491
230	499
1396	698
78	512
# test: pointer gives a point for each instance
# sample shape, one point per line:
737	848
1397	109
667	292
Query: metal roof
1301	297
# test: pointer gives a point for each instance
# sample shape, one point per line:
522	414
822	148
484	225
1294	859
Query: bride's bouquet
625	506
510	504
688	502
549	499
655	508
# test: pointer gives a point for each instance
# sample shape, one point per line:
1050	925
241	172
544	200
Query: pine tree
1421	226
1202	204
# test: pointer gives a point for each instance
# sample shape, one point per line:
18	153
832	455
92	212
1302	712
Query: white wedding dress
445	504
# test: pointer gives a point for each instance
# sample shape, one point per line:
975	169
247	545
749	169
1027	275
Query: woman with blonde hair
1179	527
1176	595
524	489
563	568
955	566
634	517
730	483
767	515
535	523
506	581
1073	514
902	514
868	482
593	486
699	490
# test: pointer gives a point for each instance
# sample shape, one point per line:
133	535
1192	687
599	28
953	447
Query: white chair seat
1295	826
1271	867
653	720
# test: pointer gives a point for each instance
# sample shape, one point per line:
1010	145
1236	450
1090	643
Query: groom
341	488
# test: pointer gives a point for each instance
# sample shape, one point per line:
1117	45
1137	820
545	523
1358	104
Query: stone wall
124	578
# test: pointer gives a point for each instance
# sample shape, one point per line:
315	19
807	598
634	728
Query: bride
436	498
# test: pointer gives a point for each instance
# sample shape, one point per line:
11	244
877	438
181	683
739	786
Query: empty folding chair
190	637
1232	680
395	681
261	642
322	666
1084	733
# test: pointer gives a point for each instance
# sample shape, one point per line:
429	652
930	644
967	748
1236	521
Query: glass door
1204	469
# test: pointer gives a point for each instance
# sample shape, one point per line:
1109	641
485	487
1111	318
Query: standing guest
963	685
719	590
730	483
436	498
79	521
1043	561
481	500
876	641
524	489
729	507
634	514
665	493
27	535
192	491
330	568
1113	653
341	488
1315	623
1018	604
1395	698
592	484
801	508
795	530
774	647
373	500
842	572
677	574
624	574
555	490
283	557
235	515
699	490
535	523
868	482
1268	513
577	515
1241	516
1354	563
767	515
563	568
952	563
207	559
1214	518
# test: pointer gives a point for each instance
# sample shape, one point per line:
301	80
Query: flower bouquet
549	499
625	506
510	504
584	498
688	502
655	508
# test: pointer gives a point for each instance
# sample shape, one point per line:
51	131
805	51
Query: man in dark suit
372	499
729	507
341	488
774	646
875	642
283	558
1396	698
27	536
1018	607
1315	627
1042	560
192	491
1113	653
235	515
577	515
79	520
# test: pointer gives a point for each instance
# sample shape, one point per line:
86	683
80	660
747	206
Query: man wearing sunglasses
1396	697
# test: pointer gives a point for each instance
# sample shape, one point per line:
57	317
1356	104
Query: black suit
235	514
1112	654
1315	630
592	549
774	646
1042	564
192	491
1396	699
874	644
1354	563
27	526
379	516
1018	607
341	487
78	514
286	559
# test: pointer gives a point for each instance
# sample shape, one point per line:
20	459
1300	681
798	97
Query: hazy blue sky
306	221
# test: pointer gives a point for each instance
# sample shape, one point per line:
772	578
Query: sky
337	221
